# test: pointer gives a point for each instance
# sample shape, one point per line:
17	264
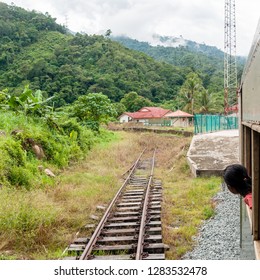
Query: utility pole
66	21
230	64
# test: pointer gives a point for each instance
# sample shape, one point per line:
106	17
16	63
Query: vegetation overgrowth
30	143
37	51
39	224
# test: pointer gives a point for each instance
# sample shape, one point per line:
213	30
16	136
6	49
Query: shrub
66	143
20	176
12	156
82	135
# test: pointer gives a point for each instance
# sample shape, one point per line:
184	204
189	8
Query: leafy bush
93	109
18	163
83	136
12	156
20	176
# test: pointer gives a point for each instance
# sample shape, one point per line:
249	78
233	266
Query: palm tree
189	92
209	103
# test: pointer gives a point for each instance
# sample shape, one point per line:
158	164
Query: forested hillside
35	50
206	60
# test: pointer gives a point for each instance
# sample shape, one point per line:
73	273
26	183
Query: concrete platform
210	153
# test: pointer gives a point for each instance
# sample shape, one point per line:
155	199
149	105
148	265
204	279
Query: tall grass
188	202
27	220
37	223
43	221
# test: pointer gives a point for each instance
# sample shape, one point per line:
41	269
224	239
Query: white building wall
124	118
180	122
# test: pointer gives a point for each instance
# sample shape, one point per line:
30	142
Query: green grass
26	219
32	204
188	204
40	222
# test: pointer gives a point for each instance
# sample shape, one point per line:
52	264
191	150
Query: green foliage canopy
93	109
133	102
29	103
35	50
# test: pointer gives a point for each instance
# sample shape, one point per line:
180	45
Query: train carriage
249	103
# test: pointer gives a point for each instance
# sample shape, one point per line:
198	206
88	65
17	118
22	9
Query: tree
209	103
133	102
119	107
189	92
93	109
108	33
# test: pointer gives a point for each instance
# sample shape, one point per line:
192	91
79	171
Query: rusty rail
140	245
131	225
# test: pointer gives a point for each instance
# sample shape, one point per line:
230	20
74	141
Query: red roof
179	114
233	108
148	113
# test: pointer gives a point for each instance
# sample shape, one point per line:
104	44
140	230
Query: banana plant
29	102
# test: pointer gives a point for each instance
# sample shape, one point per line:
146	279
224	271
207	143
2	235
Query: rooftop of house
156	112
179	114
148	113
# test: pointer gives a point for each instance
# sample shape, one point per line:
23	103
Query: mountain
175	42
36	50
208	60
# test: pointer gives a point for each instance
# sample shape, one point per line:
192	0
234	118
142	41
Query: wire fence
210	123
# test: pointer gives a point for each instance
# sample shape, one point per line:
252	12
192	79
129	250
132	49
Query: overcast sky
201	21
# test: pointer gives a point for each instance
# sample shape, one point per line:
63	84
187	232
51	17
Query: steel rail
94	237
141	237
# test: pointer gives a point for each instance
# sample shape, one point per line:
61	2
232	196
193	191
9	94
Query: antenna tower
66	21
230	64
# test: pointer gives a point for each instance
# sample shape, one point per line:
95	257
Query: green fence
209	123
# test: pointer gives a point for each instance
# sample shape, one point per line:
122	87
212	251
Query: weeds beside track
131	225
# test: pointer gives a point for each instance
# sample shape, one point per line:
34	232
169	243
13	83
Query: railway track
131	225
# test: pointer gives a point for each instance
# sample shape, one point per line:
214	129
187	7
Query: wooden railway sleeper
140	191
146	236
145	255
146	245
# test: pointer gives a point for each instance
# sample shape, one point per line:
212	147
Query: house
146	115
180	118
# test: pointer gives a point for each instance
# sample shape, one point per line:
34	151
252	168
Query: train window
247	149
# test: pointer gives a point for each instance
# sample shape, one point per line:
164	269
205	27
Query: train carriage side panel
251	82
250	131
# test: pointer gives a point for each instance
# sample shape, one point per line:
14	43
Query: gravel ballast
219	237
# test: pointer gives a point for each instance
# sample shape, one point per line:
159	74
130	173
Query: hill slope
207	60
35	50
68	66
